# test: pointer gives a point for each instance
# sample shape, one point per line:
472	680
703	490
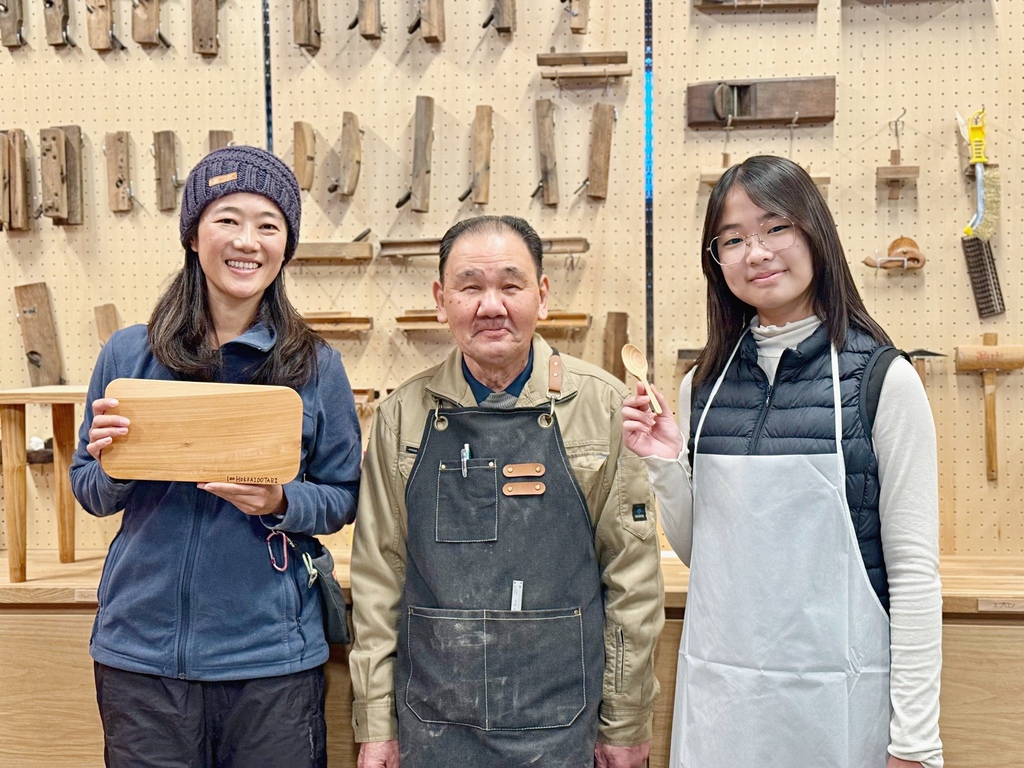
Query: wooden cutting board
199	432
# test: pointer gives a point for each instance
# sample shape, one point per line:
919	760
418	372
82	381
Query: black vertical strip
649	173
267	88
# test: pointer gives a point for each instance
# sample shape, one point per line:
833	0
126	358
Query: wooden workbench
47	700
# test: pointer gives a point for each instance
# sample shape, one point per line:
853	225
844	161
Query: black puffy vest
799	419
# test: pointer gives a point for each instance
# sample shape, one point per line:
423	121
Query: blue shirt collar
481	391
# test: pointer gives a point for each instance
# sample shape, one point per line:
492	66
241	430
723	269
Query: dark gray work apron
501	641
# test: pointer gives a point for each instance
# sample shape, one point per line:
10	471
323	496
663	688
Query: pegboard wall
928	57
127	258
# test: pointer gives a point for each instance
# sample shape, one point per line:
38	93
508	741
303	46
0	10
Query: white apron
784	659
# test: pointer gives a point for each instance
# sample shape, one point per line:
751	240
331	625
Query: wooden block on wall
616	334
305	154
101	24
306	19
53	169
602	124
38	333
117	149
351	154
369	19
5	181
204	27
546	150
16	193
165	156
220	139
11	21
432	20
749	103
107	321
146	22
55	19
74	162
421	156
579	11
483	138
505	16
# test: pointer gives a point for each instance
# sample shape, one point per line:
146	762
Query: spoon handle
655	405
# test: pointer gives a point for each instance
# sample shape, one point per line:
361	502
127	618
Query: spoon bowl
636	363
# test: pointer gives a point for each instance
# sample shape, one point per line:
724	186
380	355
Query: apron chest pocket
496	670
467	507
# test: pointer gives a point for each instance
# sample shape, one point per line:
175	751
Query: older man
506	574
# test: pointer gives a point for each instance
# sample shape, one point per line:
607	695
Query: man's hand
895	762
607	756
378	754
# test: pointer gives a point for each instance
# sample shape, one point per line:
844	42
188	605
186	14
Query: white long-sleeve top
904	442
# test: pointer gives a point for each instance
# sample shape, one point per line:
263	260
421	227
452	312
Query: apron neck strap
554	377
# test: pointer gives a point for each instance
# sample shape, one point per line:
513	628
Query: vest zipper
761	420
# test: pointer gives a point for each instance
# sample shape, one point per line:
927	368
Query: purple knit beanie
241	169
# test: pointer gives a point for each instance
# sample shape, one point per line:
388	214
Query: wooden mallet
989	360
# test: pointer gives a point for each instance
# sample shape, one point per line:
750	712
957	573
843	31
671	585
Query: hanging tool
903	253
990	359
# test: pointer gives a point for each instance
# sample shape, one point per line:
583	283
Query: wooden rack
410	248
740	6
338	323
332	253
584	65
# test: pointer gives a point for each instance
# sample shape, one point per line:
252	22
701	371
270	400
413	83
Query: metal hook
115	42
540	186
354	23
895	125
361	236
415	25
163	40
467	193
490	20
333	186
586	182
404	199
66	37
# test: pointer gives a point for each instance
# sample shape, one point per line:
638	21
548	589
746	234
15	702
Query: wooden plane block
602	124
369	19
305	154
896	173
55	19
483	138
432	21
146	22
423	144
117	149
11	23
586	72
204	27
351	154
16	194
505	16
306	24
583	58
53	169
332	253
546	150
739	6
165	152
73	149
220	139
107	321
5	181
425	246
579	16
100	20
38	333
775	101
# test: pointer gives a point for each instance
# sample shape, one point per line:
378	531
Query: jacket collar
257	336
448	383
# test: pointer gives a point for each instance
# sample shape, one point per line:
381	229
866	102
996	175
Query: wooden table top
971	584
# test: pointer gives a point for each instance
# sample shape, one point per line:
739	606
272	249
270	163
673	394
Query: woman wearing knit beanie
209	649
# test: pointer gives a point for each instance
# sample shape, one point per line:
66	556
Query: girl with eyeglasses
812	633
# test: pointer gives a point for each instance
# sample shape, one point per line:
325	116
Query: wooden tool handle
991	462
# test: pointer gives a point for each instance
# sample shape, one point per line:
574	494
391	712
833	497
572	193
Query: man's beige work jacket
614	482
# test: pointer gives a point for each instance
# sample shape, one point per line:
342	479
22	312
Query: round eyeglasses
775	234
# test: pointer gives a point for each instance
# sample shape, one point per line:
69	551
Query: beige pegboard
931	58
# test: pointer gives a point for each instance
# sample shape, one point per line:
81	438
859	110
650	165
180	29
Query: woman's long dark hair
181	329
779	186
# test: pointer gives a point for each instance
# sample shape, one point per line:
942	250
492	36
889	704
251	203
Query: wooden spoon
636	363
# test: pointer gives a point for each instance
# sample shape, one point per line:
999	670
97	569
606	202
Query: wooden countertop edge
971	585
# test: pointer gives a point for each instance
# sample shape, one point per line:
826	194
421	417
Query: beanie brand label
222	179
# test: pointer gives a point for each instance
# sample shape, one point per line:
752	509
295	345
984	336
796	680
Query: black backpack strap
871	382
